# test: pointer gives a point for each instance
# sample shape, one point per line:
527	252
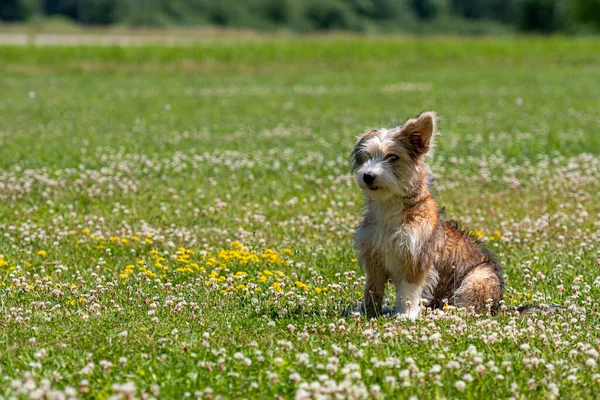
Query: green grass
201	145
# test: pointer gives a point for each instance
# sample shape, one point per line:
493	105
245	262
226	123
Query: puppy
402	237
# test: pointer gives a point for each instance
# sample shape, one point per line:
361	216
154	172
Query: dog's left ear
418	132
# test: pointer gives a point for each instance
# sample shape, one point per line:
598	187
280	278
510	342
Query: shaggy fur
403	238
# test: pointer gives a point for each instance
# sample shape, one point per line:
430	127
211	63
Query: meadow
177	221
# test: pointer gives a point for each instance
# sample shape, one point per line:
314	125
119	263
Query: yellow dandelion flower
277	287
477	234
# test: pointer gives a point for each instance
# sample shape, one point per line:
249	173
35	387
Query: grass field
177	221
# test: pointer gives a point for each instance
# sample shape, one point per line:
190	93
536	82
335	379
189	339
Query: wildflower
126	389
375	391
460	386
436	369
295	378
452	365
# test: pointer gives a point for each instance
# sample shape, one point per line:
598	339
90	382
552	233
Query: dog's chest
396	245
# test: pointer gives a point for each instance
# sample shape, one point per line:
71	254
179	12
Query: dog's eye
392	158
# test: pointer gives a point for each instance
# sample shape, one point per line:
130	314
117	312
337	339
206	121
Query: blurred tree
544	16
489	9
17	10
429	9
95	12
330	14
307	15
381	9
586	12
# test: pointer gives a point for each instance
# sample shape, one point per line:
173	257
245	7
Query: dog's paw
411	315
348	312
385	311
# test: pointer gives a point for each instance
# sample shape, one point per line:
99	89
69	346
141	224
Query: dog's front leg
408	298
374	292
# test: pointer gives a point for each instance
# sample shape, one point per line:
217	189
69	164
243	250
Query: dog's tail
530	309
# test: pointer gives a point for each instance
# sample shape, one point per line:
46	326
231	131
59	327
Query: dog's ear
359	154
418	133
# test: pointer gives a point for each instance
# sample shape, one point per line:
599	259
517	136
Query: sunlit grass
179	220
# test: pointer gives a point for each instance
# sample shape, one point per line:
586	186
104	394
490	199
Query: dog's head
388	162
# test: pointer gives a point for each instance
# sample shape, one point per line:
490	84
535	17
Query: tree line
418	16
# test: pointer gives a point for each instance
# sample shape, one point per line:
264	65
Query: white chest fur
395	241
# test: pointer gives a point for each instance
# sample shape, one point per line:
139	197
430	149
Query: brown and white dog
404	239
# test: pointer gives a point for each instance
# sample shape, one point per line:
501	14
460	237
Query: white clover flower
553	390
295	378
375	391
436	369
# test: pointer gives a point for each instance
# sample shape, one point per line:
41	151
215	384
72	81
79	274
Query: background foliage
418	16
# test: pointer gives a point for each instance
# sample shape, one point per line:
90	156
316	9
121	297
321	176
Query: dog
404	238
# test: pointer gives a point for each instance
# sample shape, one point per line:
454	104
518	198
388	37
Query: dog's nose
369	179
